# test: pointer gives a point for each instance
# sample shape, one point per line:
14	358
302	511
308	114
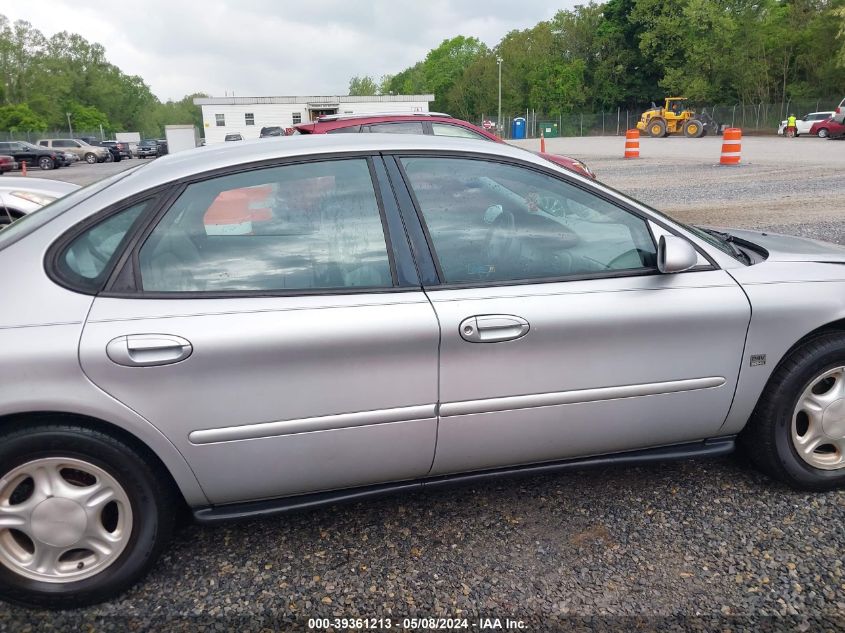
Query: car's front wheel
91	158
823	133
797	431
82	516
45	162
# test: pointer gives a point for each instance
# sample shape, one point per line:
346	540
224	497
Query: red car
431	123
7	163
828	128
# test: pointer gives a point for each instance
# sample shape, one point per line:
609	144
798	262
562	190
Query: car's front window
491	222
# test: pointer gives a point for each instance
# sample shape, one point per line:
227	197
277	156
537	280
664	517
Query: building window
220	119
297	117
249	118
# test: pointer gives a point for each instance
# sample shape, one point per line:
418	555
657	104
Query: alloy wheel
818	422
62	519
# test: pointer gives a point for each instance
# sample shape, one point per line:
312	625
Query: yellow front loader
675	117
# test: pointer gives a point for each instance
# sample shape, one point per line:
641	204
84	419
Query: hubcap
62	520
818	422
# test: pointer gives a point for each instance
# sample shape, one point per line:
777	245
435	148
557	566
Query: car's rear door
270	323
559	337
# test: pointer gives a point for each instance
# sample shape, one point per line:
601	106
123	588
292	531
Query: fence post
582	124
618	111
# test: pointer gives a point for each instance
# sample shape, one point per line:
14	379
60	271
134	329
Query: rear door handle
147	350
493	328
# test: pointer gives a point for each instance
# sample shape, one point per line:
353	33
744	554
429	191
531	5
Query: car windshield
32	221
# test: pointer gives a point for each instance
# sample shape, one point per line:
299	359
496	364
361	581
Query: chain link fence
761	118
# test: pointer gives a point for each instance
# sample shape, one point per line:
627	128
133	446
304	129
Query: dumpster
518	128
550	129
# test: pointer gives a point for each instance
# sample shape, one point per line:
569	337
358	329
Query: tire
45	163
139	517
656	128
693	128
109	158
90	158
780	421
823	133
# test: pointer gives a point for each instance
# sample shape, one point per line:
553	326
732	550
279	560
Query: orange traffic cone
632	144
23	168
542	143
731	146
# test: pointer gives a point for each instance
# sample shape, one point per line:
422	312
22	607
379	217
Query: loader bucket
709	123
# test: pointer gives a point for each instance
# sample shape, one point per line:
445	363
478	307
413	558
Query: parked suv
430	123
273	130
120	146
147	148
33	155
89	153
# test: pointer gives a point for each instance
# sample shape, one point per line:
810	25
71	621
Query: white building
247	115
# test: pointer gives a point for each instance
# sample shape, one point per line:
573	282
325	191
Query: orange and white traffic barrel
632	144
731	146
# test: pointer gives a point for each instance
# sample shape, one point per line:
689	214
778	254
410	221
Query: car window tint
446	129
407	127
314	225
493	222
87	258
352	129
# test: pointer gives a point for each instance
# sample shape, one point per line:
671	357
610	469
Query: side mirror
675	254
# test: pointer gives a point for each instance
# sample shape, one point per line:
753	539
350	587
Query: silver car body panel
577	396
353	379
594	365
340	390
790	300
39	186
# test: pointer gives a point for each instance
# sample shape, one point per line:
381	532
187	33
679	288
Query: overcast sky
267	47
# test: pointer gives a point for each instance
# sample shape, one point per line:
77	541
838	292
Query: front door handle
493	328
147	350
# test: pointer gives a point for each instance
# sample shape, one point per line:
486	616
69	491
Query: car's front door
265	324
559	337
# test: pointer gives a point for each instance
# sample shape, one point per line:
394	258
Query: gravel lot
701	545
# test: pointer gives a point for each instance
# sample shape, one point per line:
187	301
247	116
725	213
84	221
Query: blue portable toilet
518	128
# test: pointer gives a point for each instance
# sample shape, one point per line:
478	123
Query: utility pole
499	119
69	126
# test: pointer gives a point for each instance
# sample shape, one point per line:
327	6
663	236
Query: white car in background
20	195
806	122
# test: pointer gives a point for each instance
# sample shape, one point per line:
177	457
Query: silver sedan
264	326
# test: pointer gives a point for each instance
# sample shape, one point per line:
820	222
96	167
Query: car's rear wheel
45	162
82	516
797	431
90	158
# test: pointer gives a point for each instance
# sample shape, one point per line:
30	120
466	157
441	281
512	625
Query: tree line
46	81
627	53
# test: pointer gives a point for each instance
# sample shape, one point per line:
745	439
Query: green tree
88	118
362	86
21	118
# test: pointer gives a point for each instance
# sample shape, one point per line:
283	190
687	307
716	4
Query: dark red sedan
7	163
828	128
431	123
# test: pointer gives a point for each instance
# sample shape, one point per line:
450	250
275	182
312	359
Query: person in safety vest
791	129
